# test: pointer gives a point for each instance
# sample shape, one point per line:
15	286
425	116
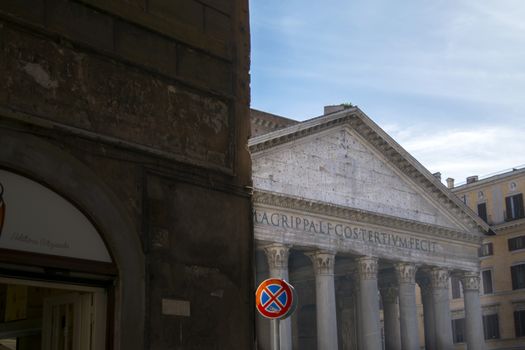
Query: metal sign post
277	338
275	299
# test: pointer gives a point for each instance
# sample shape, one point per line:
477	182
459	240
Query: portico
354	219
395	262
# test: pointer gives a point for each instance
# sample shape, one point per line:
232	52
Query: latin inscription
350	232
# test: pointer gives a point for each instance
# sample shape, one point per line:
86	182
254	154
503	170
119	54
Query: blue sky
445	78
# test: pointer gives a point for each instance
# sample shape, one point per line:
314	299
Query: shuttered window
519	323
486	276
486	249
514	207
518	276
482	211
516	243
491	326
458	330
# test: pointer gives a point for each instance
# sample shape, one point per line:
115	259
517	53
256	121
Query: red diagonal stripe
273	297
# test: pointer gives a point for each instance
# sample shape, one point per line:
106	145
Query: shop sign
35	219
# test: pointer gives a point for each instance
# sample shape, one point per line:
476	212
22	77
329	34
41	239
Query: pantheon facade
360	228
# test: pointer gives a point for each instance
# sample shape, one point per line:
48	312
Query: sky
445	78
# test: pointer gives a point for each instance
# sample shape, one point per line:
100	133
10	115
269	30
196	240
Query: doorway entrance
51	316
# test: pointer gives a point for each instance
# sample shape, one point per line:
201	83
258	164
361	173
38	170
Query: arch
45	163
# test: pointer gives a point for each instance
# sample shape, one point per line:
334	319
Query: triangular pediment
338	165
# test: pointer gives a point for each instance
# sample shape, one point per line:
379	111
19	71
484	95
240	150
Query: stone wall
152	96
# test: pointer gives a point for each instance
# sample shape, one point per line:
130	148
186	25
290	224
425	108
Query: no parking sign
275	298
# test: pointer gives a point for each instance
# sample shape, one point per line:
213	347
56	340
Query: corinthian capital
324	262
277	255
367	268
439	278
405	272
470	281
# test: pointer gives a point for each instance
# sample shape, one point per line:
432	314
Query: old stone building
349	217
125	177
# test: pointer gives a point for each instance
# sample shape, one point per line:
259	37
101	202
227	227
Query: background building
125	175
347	215
498	200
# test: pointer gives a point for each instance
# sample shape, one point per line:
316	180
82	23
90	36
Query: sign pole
276	299
277	335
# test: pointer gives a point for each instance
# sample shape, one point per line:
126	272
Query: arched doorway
120	279
55	271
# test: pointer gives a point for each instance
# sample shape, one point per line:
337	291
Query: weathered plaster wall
153	97
337	167
72	86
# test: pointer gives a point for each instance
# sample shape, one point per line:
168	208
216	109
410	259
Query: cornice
489	181
508	225
417	172
385	145
275	138
362	216
272	124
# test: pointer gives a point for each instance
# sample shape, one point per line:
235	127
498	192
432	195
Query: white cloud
458	153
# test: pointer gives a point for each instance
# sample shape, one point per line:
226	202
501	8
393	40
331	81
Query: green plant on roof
347	105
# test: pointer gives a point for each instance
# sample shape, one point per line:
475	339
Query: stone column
406	277
427	299
277	255
442	320
324	262
389	295
370	325
473	318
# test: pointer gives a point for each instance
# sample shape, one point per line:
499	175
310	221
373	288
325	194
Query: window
516	243
519	323
518	276
491	326
482	211
456	289
486	276
458	330
514	207
486	249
